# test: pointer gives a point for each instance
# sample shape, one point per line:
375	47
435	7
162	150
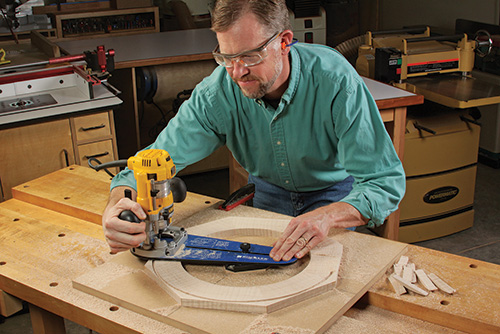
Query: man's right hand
122	235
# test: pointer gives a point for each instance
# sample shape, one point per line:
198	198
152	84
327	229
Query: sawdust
113	270
261	326
387	321
349	325
94	252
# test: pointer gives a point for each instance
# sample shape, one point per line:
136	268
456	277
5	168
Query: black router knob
129	216
245	247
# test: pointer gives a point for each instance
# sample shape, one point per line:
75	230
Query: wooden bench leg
44	322
390	229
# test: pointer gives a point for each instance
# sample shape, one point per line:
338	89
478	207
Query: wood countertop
50	234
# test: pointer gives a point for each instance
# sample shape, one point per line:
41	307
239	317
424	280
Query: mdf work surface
60	247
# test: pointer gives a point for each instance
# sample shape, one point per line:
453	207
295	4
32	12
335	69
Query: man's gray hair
272	14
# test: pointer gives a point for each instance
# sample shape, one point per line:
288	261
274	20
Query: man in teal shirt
297	117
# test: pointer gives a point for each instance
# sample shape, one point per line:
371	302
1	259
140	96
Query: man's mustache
247	78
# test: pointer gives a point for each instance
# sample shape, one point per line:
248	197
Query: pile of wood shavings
406	276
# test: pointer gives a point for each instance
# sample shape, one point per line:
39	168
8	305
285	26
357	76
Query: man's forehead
241	37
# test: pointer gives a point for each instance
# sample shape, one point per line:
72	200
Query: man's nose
239	69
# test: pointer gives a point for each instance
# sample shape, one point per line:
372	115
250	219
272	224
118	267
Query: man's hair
272	14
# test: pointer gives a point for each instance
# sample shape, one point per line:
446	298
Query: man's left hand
306	231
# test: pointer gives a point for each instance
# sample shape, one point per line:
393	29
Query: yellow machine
394	56
153	169
157	190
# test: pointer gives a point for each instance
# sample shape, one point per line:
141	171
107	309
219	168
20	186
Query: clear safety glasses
246	58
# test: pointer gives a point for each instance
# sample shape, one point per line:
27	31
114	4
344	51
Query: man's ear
286	38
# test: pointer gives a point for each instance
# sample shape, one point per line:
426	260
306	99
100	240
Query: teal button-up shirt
325	128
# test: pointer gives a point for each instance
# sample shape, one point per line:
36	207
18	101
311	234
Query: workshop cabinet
28	151
94	137
440	169
90	127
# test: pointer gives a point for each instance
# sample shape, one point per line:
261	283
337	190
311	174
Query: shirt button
278	142
287	182
282	164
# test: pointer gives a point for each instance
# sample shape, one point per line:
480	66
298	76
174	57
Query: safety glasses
246	58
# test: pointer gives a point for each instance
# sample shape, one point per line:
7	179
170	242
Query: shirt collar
293	83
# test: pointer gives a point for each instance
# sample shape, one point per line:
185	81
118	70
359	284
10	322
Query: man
297	117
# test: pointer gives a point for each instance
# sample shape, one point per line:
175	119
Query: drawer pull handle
93	127
468	120
423	128
96	155
66	156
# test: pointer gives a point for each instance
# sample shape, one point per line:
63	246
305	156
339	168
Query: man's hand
306	231
122	235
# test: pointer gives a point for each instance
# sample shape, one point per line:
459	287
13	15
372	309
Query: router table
50	234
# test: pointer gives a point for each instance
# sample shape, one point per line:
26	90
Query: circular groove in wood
322	267
217	274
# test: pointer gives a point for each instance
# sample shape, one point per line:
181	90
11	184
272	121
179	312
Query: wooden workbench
49	235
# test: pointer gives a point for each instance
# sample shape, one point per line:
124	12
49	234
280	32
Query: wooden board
82	192
214	288
75	185
473	308
123	281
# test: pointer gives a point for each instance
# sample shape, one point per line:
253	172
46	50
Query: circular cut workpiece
261	291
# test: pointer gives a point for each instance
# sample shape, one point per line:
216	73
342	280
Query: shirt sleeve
193	134
367	153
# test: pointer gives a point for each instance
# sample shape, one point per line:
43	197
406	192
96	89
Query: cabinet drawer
92	127
102	150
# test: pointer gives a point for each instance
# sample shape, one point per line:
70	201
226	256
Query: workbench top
147	49
50	234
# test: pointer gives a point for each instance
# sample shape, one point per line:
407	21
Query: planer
396	55
437	67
